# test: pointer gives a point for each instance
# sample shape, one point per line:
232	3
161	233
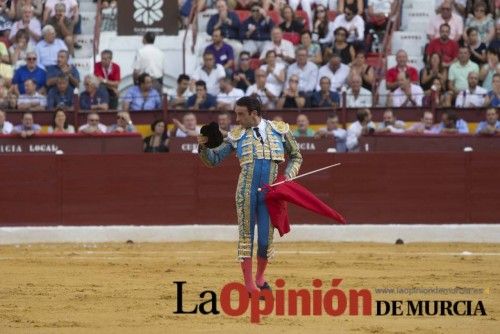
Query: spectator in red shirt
391	77
444	46
109	72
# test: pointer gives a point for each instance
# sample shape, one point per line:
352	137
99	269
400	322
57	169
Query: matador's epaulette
280	126
236	133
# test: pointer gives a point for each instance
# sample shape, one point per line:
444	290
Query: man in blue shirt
27	128
63	68
201	100
493	97
325	98
225	20
143	96
491	126
450	123
256	30
61	95
28	71
94	97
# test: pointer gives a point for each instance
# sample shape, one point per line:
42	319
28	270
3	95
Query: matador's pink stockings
246	267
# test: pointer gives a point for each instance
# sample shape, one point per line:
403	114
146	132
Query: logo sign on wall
136	17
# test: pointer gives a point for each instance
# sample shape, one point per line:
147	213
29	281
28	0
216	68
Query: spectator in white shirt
363	126
177	97
187	128
5	126
458	6
48	48
72	11
333	130
357	96
31	99
474	95
306	70
228	94
150	59
407	94
390	124
210	72
261	89
352	22
275	73
284	49
93	125
28	23
335	71
455	21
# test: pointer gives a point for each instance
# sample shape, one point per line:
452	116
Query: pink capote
277	197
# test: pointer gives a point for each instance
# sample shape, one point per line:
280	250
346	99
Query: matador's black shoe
265	286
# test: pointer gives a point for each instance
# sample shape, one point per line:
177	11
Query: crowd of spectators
329	41
286	61
450	123
61	125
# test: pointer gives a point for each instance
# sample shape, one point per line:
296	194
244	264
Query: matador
260	145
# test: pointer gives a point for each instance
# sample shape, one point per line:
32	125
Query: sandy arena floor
127	288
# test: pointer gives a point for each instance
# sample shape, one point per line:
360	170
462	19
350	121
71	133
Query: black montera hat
212	132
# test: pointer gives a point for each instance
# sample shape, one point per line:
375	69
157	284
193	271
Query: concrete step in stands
86	41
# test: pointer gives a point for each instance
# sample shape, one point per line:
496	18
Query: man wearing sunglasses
29	71
244	76
256	30
352	22
93	125
123	123
454	20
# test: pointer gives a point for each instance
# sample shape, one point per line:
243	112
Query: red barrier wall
103	143
436	143
178	189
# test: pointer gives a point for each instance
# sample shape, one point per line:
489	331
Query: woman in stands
320	27
158	141
365	71
477	48
291	24
433	70
471	5
313	48
19	50
489	69
60	123
483	22
437	95
359	4
341	46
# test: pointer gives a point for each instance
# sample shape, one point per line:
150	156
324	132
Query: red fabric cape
277	198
